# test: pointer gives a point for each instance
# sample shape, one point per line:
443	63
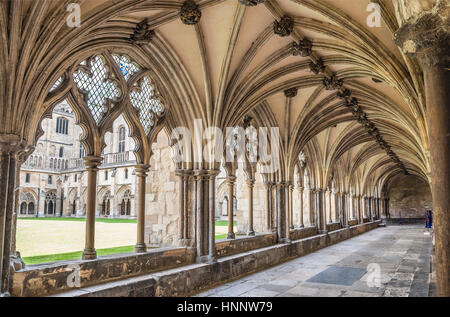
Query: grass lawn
103	220
223	223
43	240
74	255
221	236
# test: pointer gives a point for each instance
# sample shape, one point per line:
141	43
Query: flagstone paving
390	261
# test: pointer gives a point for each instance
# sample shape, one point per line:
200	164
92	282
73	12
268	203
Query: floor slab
388	261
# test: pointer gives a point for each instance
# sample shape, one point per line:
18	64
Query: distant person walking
428	220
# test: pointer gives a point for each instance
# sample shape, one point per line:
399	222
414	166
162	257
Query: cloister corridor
392	261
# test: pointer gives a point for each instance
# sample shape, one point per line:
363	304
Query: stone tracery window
121	139
125	206
145	99
127	67
93	80
96	81
50	203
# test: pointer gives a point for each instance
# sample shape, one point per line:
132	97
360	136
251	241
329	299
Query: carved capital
427	36
284	27
190	14
142	169
91	162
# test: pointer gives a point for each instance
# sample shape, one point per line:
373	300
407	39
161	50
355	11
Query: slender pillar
268	205
10	147
212	216
91	163
141	174
285	212
300	196
183	233
250	186
290	205
323	211
345	209
352	215
230	184
312	203
281	212
329	220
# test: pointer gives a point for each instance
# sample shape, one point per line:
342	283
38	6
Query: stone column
323	211
268	205
285	212
337	208
329	220
199	203
10	147
352	215
281	212
345	209
212	216
230	184
312	203
141	174
290	206
300	195
250	186
91	163
184	206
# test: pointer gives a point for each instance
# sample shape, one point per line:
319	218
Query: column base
89	254
202	259
140	248
15	262
231	235
251	233
291	227
323	231
186	242
212	259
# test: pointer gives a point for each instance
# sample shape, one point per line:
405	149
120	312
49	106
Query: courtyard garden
43	240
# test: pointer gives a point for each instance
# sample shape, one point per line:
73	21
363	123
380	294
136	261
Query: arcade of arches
360	108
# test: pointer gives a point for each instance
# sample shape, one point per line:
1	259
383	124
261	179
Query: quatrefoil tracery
102	91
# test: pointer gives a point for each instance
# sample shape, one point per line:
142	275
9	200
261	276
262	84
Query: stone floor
390	261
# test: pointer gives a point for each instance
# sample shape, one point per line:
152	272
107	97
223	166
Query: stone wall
162	197
409	196
46	279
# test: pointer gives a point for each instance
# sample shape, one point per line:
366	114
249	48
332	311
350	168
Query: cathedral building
53	179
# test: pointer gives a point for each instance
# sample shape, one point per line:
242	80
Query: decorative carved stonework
353	102
142	33
251	3
304	48
318	67
332	83
427	36
344	94
246	121
291	93
362	118
284	27
190	14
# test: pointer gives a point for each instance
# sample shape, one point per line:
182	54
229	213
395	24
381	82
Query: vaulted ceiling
231	64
